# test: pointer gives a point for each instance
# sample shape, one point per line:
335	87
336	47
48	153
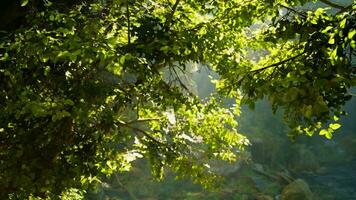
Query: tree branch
293	10
170	17
276	64
125	125
182	84
142	120
332	4
351	94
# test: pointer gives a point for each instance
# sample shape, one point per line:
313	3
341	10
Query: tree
84	92
307	69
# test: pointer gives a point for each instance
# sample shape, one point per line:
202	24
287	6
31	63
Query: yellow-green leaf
335	126
24	2
351	34
343	23
332	40
323	132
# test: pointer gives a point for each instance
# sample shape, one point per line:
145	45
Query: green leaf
343	23
333	55
351	34
165	49
308	111
4	57
122	59
334	126
323	132
327	29
336	118
327	133
24	3
331	40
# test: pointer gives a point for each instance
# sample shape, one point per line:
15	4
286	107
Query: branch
125	125
351	94
142	120
293	10
277	64
170	17
182	84
332	4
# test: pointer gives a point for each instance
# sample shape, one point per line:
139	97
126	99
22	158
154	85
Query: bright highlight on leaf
335	126
24	2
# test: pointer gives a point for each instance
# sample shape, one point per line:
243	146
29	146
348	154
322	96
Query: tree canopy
89	87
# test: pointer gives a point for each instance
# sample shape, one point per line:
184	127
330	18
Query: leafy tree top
84	92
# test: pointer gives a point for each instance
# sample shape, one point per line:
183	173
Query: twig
276	64
293	10
123	124
352	94
162	144
170	17
182	84
142	120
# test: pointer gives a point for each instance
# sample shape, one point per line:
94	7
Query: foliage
84	95
306	67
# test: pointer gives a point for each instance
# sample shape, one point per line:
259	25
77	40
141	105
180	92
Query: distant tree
83	92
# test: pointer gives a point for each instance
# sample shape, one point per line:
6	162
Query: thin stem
142	120
170	17
182	84
123	124
293	10
277	64
352	94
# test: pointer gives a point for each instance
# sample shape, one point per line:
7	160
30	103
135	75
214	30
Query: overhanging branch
276	64
293	10
170	17
182	84
142	120
144	133
125	125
